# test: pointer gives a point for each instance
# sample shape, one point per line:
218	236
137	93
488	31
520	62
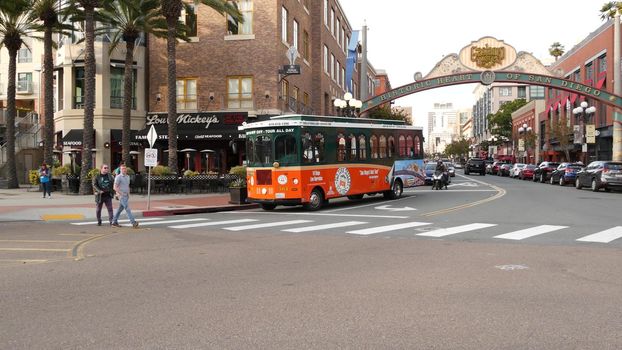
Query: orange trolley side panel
335	181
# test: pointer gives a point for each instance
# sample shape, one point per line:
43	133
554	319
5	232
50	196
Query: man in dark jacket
103	187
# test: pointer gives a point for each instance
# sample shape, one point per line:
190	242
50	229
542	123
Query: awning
73	138
573	98
192	135
117	134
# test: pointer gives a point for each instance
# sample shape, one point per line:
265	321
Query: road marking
603	236
454	230
269	224
379	229
361	206
33	241
213	223
325	227
449	191
51	217
318	214
388	207
95	222
167	222
530	232
33	250
24	260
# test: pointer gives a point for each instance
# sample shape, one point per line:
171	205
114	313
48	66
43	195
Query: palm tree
49	12
128	19
88	13
556	50
17	23
609	9
171	9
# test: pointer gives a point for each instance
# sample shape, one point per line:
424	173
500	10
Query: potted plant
237	187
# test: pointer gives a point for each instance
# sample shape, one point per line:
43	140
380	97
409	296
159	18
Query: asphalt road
490	263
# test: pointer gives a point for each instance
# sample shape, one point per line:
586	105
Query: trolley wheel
316	200
396	190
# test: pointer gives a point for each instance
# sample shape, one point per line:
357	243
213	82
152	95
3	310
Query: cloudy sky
408	36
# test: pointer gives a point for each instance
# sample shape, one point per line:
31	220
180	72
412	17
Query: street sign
578	138
151	157
291	69
521	145
152	136
590	133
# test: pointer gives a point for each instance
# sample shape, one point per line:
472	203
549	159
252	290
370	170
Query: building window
332	66
305	99
240	92
576	76
187	93
338	72
505	91
522	92
343	40
326	59
338	31
536	92
305	45
295	34
236	28
117	87
191	20
285	90
284	24
332	21
326	13
343	78
24	55
78	85
589	72
24	82
602	64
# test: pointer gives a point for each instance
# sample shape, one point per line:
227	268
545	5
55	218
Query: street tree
17	23
500	123
609	9
128	20
459	148
556	50
51	15
386	112
561	130
171	10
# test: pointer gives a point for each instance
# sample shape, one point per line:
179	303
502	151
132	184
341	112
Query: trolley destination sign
488	77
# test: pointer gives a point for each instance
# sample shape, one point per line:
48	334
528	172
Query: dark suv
543	172
600	174
475	165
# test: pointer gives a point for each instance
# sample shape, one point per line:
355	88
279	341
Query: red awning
573	98
600	83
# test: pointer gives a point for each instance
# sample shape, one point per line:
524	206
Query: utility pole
617	89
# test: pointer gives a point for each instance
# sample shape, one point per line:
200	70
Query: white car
516	169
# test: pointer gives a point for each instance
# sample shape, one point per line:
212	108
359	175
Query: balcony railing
298	107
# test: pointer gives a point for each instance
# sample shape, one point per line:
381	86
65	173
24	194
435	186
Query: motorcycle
438	180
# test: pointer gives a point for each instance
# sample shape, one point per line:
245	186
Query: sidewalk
27	204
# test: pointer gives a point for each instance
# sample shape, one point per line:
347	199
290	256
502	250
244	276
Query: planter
238	195
73	183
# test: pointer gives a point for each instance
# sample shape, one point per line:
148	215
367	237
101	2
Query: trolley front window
259	151
285	149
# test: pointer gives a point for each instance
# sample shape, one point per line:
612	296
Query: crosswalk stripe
379	229
325	227
168	221
530	232
269	224
603	236
95	222
213	223
454	230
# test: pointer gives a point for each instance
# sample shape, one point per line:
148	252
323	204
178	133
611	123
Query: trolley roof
328	122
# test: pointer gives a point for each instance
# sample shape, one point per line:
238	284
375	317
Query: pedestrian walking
103	187
44	178
122	189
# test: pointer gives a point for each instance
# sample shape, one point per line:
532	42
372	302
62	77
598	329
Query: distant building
443	127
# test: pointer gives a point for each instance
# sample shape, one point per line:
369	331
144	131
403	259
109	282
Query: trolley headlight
264	191
252	181
276	164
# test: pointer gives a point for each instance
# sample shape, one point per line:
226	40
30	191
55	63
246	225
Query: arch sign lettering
487	61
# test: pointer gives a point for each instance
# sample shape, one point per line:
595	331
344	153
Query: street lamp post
523	131
585	113
348	107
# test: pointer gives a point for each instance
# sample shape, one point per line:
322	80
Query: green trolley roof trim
328	122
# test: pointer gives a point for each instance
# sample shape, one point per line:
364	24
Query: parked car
504	169
543	171
475	165
450	169
458	165
565	173
526	172
515	169
600	174
494	168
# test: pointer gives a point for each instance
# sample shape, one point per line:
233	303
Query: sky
409	36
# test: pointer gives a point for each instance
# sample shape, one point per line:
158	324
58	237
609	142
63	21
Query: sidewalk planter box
238	195
73	182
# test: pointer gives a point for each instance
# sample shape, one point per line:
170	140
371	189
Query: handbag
44	179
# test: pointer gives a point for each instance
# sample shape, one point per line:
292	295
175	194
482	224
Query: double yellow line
500	193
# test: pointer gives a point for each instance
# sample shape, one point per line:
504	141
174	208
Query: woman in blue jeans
44	178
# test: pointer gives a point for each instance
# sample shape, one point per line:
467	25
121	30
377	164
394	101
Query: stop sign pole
152	136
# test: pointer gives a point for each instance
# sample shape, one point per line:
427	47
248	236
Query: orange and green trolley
307	160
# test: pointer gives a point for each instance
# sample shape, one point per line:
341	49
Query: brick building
228	73
588	63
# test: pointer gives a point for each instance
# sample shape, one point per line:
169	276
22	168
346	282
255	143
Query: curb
197	210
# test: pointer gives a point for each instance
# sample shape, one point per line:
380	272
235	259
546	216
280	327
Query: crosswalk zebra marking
213	223
379	229
95	222
325	227
170	221
530	232
454	230
269	224
603	236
